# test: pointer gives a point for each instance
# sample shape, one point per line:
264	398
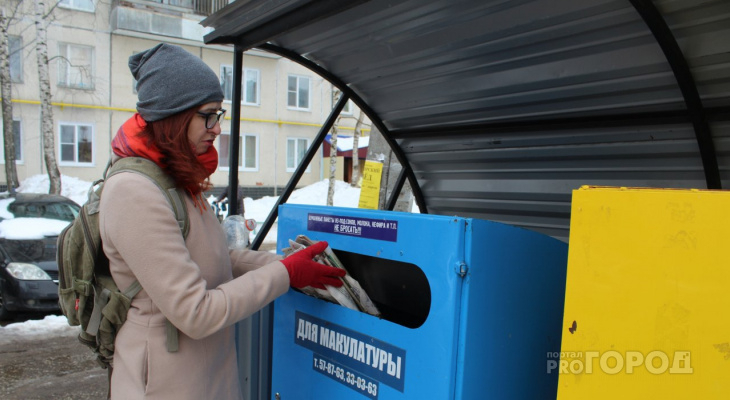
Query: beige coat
201	287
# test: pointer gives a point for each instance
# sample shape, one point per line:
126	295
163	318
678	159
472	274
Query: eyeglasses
212	118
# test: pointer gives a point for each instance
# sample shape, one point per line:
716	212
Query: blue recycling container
471	309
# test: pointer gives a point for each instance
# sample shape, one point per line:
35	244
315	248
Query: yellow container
647	303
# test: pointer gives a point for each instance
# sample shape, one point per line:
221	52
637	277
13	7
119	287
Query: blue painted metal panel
488	329
512	312
428	365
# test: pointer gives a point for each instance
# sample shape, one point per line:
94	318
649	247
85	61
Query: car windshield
62	211
35	250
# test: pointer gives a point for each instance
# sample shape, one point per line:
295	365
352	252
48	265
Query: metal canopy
499	109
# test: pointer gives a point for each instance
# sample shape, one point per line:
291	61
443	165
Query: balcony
173	18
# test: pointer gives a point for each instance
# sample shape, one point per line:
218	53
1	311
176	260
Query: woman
196	283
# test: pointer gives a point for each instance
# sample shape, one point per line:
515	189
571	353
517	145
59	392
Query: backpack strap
149	169
101	299
174	196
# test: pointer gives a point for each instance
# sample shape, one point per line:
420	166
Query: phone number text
346	376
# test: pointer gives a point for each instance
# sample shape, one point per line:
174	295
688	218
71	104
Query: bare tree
333	151
54	175
355	181
11	174
41	18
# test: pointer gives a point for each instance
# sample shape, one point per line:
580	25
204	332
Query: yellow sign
370	188
647	299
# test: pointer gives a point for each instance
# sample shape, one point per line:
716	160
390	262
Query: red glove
305	272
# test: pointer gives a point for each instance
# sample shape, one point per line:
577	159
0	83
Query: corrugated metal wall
525	178
502	108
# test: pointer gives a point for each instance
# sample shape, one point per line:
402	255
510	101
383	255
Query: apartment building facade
89	43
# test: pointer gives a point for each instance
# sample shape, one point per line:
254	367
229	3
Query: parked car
28	276
40	205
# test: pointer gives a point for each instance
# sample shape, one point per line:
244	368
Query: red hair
170	136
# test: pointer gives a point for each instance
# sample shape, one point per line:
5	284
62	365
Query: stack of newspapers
350	294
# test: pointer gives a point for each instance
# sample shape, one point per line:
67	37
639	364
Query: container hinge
462	269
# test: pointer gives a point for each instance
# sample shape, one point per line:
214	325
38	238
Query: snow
49	327
314	194
346	143
30	228
76	189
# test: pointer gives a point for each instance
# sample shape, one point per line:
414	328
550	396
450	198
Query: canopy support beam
687	85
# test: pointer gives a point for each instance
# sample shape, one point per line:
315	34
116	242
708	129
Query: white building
89	43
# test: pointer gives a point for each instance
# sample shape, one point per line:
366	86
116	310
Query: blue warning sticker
378	229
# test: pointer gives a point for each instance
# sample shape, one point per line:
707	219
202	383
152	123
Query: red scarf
129	143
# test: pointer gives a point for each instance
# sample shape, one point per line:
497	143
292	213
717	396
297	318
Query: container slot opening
400	290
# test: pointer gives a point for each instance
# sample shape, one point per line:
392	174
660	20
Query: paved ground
59	368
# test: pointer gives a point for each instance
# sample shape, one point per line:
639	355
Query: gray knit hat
171	80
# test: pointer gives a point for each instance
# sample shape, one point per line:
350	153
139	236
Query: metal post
235	139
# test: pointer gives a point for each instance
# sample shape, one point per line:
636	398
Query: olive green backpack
88	295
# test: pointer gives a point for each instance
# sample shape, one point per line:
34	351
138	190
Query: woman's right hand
303	271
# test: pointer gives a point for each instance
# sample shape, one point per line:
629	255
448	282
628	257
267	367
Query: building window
179	3
76	143
298	92
134	80
347	110
76	67
227	82
84	5
16	58
248	152
251	84
18	141
295	150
